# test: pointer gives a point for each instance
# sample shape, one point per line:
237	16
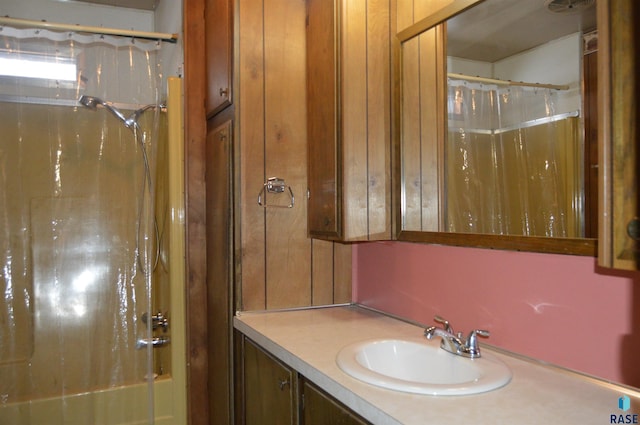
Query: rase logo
624	404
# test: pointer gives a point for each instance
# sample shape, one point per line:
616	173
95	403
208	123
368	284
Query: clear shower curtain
78	239
510	162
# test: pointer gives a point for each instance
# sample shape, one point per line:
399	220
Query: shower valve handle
158	320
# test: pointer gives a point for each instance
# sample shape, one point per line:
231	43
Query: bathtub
115	406
106	405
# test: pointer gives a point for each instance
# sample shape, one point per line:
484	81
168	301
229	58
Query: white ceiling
496	29
488	32
133	4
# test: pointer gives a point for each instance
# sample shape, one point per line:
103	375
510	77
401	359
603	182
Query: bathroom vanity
304	344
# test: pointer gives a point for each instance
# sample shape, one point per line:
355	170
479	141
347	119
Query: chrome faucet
456	343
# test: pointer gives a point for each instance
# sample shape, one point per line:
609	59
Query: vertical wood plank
324	123
251	142
404	14
379	119
442	116
195	136
354	113
605	226
429	115
591	166
410	124
322	272
219	269
342	273
288	250
403	186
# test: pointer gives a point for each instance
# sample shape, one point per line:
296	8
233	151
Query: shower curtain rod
526	124
506	82
171	38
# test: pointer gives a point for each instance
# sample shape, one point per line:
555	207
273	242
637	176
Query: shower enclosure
90	225
513	161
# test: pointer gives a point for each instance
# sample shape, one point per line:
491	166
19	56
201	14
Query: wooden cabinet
619	116
219	54
318	408
278	265
270	392
348	119
242	256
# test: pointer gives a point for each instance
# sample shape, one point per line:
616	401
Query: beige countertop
308	340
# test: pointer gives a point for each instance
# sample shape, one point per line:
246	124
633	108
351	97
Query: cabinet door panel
219	259
320	409
219	41
323	104
268	391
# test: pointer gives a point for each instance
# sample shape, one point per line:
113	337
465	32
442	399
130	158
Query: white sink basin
421	366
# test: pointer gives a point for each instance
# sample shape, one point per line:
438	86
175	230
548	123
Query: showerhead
92	103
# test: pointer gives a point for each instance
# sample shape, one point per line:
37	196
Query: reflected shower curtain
511	162
77	233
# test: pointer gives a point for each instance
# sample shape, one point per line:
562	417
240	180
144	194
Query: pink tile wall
557	308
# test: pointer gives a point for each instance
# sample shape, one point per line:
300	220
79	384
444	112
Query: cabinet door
619	116
219	56
320	409
219	277
323	120
267	387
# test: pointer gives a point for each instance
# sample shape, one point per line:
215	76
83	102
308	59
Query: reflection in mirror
513	149
514	158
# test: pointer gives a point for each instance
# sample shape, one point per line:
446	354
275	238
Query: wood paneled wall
411	11
277	265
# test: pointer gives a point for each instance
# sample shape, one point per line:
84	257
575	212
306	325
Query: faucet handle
444	322
472	341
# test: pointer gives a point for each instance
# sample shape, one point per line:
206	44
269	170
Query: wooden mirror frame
619	155
571	246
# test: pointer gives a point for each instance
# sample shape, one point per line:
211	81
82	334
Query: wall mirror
494	130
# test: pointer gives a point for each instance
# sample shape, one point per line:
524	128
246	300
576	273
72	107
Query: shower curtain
78	237
512	162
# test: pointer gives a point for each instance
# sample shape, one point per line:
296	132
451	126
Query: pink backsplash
557	308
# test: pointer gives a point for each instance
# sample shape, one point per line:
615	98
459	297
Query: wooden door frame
195	128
